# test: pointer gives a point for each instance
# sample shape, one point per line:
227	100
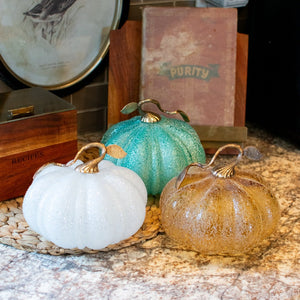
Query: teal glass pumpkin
157	147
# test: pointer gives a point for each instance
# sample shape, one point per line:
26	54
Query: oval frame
42	37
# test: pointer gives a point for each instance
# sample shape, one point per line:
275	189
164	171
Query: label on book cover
188	61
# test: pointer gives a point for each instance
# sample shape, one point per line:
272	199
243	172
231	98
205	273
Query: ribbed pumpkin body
219	215
78	210
155	151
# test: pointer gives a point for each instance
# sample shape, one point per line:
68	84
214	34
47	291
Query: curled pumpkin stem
149	116
90	166
142	112
182	175
222	171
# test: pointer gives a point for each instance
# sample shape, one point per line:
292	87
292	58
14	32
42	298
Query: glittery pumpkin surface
219	215
155	151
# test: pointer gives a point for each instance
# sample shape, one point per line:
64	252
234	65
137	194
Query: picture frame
54	44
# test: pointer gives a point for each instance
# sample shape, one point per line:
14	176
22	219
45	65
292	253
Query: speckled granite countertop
159	269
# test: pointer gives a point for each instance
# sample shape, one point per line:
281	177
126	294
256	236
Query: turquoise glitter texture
157	152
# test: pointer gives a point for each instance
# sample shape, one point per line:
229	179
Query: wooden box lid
42	101
53	121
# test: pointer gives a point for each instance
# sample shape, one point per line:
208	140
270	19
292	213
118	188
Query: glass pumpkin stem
228	170
222	171
90	166
151	117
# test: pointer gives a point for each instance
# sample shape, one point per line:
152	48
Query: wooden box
36	127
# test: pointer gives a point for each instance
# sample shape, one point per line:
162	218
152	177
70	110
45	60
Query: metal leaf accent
183	115
252	153
115	151
129	108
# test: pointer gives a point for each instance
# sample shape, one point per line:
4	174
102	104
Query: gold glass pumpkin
219	210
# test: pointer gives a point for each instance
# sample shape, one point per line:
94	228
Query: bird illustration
49	13
48	10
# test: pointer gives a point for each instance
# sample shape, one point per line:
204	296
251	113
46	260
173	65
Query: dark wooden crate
50	134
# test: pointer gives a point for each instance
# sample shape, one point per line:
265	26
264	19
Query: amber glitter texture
215	215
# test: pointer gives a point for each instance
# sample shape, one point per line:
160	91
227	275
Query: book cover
189	61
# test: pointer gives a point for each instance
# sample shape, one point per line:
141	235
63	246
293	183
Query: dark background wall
273	99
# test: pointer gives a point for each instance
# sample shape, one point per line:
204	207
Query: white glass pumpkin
86	205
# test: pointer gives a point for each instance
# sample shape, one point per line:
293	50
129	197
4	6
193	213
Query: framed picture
55	43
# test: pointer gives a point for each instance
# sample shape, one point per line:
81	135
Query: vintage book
36	127
189	61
